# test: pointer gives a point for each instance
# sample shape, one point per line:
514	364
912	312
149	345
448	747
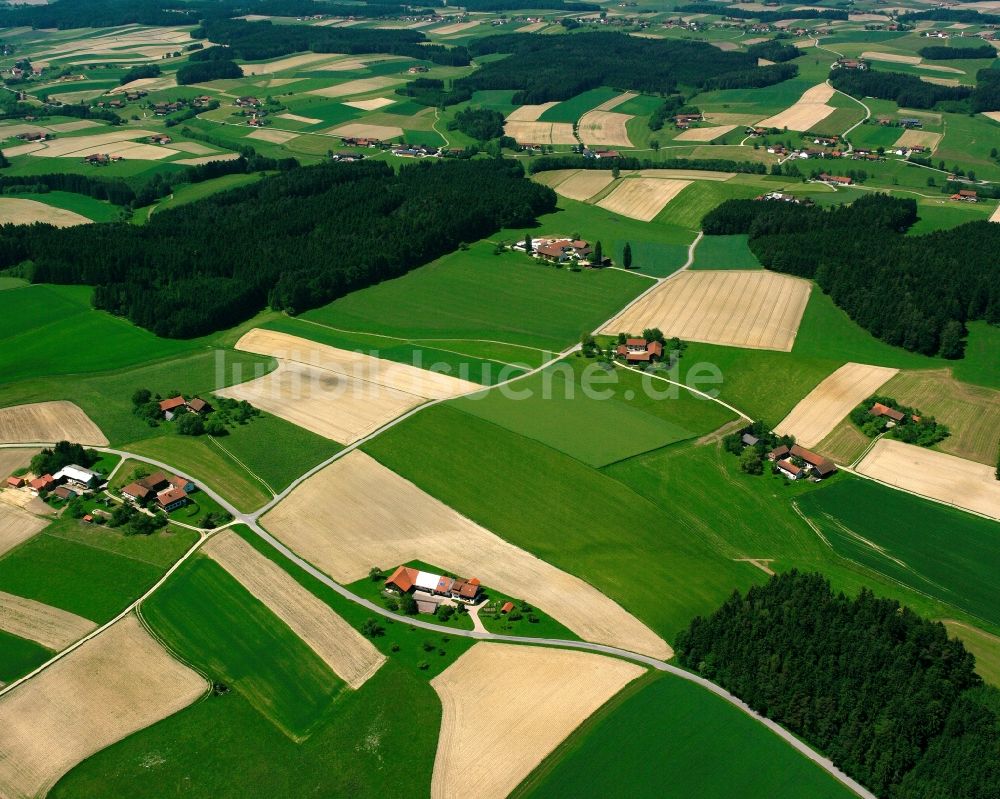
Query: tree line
293	240
910	91
762	16
915	292
547	163
939	52
543	68
884	693
204	71
951	15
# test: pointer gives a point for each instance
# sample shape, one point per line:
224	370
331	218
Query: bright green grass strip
18	656
953	556
981	364
212	622
687	734
724	252
643	105
574	108
688	208
12	283
82	579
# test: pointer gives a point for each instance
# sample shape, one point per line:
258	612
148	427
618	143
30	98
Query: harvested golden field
581	184
529	113
22	149
17	526
51	627
506	707
304	120
350	655
806	112
193	147
137	150
895	58
356	513
604	128
642	198
540	132
15	211
614	102
283	64
941	81
994	115
79	146
681	174
971	413
207	159
369	105
724	45
273	136
361	130
48	422
13	458
754	309
704	134
335	393
995	216
837	395
79	124
937	475
458	27
359	86
532	28
113	685
941	68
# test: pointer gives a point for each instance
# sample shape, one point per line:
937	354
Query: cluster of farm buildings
165	491
797	462
561	250
172	406
430	589
69	482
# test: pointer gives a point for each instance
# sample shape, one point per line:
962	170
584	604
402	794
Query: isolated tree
627	256
598	254
371	628
655	144
215	427
615	171
141	396
952	345
408	605
375	574
587	343
528	248
653	334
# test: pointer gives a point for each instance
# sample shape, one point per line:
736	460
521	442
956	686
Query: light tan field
837	395
273	136
48	422
359	86
896	58
361	130
356	513
115	684
940	81
349	655
458	27
341	65
276	82
681	174
15	211
8	131
972	413
335	393
983	645
79	124
297	118
13	458
614	102
919	138
763	62
941	68
207	159
22	149
81	96
534	26
753	309
526	113
51	627
138	150
540	132
867	18
844	444
582	184
704	134
16	525
193	147
149	84
604	128
283	64
370	105
725	46
933	474
506	707
807	111
994	115
642	198
995	216
79	146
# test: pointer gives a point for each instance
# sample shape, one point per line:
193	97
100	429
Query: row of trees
547	163
915	292
910	91
762	16
295	240
942	52
204	71
885	693
945	14
544	68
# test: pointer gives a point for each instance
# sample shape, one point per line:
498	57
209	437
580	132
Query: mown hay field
810	109
576	184
506	707
16	211
605	128
48	422
51	627
356	513
17	526
642	198
704	134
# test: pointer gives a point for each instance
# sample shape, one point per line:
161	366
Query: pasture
724	252
755	309
529	697
688	732
356	513
18	656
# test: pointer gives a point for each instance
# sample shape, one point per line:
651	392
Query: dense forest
969	15
911	92
294	240
482	124
762	16
774	50
885	693
432	93
137	73
544	68
546	163
915	292
944	53
204	71
254	41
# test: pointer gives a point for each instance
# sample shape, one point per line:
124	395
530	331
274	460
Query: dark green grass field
664	736
476	294
595	416
89	577
238	641
96	210
18	656
574	108
690	206
953	556
724	252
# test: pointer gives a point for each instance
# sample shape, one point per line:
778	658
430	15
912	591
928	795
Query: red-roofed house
638	350
171	499
43	483
789	469
878	409
170	407
820	465
15	482
402	580
466	590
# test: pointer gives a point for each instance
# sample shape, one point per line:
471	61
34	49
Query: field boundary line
246	468
702	394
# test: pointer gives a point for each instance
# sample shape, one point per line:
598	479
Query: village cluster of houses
165	492
430	590
69	482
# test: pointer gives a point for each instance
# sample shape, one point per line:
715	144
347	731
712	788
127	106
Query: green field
724	252
571	110
96	210
87	575
475	294
690	206
950	555
18	656
664	736
597	420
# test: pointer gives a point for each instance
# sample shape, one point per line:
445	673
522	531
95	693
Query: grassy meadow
19	656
